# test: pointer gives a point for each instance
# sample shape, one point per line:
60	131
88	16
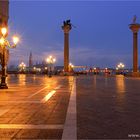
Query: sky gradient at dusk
101	37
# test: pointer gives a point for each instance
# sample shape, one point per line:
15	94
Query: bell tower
30	60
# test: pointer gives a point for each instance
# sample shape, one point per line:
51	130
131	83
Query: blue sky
101	37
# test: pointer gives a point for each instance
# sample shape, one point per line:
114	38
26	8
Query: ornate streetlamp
50	61
22	67
120	67
4	43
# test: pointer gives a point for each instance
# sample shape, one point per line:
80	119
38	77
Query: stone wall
4	11
4	15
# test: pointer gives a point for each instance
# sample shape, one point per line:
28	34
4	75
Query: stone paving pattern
52	112
108	107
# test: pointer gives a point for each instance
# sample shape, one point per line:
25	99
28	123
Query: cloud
79	55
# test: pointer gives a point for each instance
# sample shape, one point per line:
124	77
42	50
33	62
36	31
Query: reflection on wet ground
108	107
35	106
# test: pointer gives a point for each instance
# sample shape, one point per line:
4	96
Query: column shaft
66	52
135	52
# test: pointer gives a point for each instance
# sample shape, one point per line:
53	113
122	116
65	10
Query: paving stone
107	108
24	110
5	120
8	133
30	134
50	134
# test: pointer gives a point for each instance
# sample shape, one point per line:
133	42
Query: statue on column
67	24
134	19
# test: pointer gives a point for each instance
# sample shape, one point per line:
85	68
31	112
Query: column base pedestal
68	73
3	86
135	74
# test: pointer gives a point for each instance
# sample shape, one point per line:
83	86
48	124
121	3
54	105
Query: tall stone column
135	52
66	28
135	28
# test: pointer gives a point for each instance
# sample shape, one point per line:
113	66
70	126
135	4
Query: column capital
66	28
134	27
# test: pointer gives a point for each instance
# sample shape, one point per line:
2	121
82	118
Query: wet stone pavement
82	107
28	110
108	108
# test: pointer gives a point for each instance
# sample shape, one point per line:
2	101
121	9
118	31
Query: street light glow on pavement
48	96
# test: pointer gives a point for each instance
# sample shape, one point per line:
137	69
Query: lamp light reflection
48	96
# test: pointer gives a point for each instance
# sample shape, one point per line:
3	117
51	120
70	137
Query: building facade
4	16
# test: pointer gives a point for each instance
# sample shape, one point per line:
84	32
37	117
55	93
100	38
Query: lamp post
51	60
106	70
22	66
3	44
34	70
120	66
45	70
71	66
95	70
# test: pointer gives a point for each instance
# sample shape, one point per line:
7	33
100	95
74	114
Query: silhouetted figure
67	22
134	19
